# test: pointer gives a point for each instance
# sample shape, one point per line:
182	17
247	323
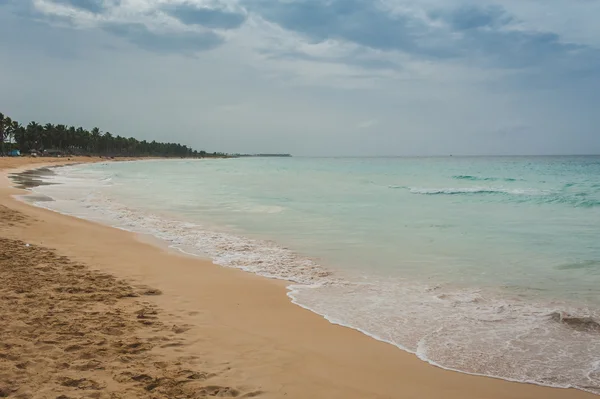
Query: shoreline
258	307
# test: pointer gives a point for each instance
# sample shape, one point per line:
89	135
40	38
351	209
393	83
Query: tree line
71	140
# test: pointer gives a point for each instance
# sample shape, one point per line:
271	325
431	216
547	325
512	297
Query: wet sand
31	178
97	312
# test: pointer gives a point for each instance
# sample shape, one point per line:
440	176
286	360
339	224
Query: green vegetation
68	140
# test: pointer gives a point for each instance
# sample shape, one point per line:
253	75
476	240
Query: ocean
484	265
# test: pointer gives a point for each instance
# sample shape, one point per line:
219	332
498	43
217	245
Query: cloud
494	35
165	42
485	35
488	35
141	23
93	6
520	49
359	21
472	17
211	18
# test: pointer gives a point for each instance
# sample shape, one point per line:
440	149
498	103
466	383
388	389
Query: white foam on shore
465	330
480	332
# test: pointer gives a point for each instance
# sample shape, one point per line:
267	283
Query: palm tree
37	137
7	125
2	124
61	135
108	138
71	138
95	136
33	136
10	132
47	136
19	137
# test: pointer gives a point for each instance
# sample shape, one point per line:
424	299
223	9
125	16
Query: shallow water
484	265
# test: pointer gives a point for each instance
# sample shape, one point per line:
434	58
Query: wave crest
473	190
578	200
478	178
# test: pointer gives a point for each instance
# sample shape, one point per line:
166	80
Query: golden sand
92	311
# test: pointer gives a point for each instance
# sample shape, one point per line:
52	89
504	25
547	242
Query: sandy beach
93	311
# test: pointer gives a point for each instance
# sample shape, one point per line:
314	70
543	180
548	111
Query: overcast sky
326	77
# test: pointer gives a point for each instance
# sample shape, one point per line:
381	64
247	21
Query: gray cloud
467	32
473	17
210	18
93	6
518	48
164	42
357	21
142	29
486	35
487	32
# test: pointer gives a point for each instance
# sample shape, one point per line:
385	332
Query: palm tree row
79	141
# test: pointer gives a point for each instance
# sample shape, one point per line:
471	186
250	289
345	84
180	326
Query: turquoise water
483	265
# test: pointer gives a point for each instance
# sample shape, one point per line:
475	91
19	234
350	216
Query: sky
308	77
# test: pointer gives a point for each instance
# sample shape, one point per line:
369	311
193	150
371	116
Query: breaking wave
474	190
576	200
477	178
